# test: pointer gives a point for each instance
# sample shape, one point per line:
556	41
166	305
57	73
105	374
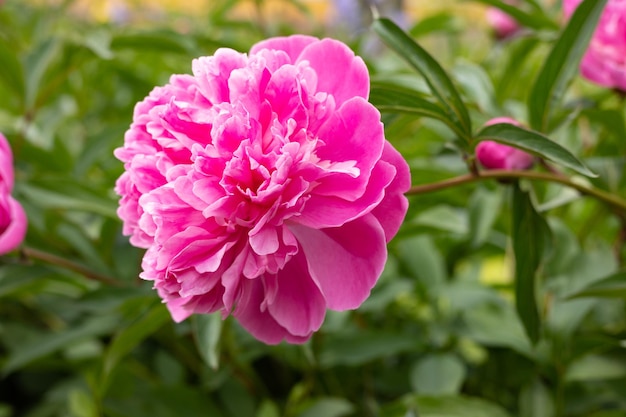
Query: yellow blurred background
299	11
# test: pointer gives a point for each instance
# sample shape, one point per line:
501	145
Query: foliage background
81	335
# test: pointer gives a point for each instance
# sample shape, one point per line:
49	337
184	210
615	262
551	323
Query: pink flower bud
604	62
502	23
494	155
12	217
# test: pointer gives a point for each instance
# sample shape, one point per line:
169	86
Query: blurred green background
82	336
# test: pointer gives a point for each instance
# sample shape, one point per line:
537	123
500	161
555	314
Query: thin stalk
31	253
607	198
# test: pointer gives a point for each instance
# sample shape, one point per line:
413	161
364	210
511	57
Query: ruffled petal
345	262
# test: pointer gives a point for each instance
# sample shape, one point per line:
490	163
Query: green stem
31	253
607	198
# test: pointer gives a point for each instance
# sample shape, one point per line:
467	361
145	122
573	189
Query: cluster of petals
262	186
13	221
494	155
604	62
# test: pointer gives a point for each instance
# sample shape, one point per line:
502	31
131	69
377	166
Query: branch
607	198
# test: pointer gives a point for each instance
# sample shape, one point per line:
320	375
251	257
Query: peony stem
604	196
31	253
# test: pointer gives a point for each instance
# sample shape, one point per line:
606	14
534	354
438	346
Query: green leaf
484	207
37	64
207	329
533	21
391	98
50	343
528	232
51	199
353	349
534	143
11	72
613	286
596	368
562	63
443	406
536	400
129	337
439	22
438	374
328	407
438	81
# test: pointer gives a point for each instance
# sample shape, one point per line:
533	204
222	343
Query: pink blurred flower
504	26
12	217
263	186
494	155
604	62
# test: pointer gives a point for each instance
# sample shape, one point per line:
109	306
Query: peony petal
339	71
353	133
258	322
323	211
392	209
292	45
345	262
298	304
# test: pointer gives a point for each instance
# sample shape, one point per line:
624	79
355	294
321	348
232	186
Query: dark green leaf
438	81
396	99
129	337
529	232
11	72
562	63
534	143
50	343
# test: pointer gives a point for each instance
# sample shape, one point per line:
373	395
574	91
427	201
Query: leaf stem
608	198
32	253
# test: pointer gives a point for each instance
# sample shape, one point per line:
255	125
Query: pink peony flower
604	62
263	187
504	26
12	217
494	155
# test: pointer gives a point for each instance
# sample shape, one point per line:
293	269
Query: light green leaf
207	329
484	207
36	65
562	63
328	407
438	81
438	374
443	406
534	143
613	286
596	368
